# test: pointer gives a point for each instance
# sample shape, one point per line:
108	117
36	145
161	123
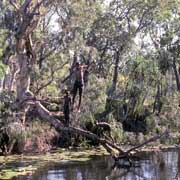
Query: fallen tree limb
166	133
116	151
45	114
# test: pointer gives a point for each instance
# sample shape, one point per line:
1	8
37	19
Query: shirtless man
78	84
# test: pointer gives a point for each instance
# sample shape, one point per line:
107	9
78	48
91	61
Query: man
78	84
66	107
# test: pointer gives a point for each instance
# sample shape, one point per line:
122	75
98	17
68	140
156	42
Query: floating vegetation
16	165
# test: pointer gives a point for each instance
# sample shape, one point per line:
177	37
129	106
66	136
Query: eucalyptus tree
163	40
80	24
7	46
60	41
29	14
165	37
113	33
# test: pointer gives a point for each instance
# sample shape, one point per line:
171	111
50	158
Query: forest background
131	48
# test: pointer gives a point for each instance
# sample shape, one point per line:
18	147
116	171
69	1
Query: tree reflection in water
178	166
158	166
154	166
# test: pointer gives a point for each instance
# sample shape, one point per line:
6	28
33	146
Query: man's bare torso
79	74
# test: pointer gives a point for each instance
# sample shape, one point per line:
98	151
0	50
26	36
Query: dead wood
48	116
115	150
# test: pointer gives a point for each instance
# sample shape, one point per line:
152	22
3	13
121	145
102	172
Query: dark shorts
78	85
66	110
66	117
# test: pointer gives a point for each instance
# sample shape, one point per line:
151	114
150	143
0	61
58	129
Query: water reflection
152	166
178	166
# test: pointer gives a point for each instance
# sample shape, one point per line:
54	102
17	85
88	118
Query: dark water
151	166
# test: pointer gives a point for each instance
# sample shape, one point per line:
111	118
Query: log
116	151
46	115
111	147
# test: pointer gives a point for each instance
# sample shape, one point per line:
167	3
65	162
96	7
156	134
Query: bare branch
25	6
33	26
143	17
15	5
36	8
52	78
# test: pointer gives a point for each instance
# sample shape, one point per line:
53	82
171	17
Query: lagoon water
150	166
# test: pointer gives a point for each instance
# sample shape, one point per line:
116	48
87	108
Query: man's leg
80	97
67	118
74	93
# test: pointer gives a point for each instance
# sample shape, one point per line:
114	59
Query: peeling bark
28	20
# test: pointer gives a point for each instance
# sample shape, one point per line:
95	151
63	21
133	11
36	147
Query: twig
52	78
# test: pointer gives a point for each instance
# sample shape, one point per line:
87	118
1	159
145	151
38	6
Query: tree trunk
9	79
157	101
25	55
115	75
176	75
6	79
116	68
23	80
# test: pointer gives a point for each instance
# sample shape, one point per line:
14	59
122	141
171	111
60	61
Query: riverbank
15	165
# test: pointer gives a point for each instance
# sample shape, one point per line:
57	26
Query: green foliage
6	100
37	128
94	99
2	69
146	35
151	122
